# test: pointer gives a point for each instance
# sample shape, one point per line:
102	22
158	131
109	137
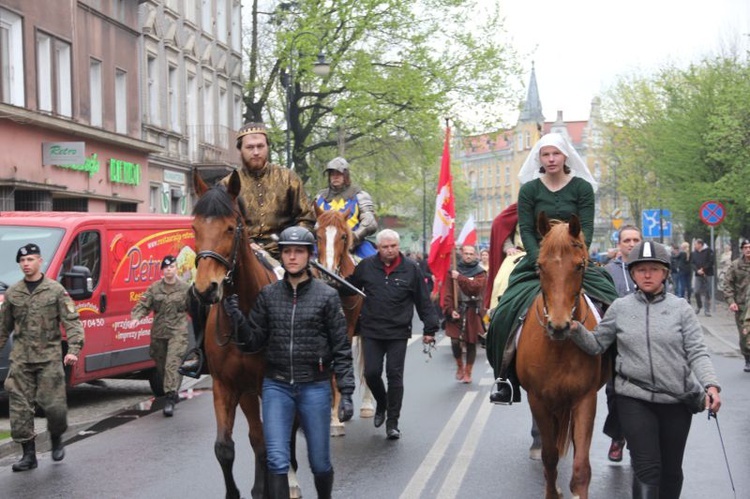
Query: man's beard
254	164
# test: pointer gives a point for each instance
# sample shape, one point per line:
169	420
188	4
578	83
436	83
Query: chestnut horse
226	265
334	238
561	380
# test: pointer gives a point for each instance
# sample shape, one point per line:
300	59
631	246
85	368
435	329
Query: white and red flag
443	226
468	235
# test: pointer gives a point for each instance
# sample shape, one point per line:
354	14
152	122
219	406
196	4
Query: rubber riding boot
58	449
278	486
502	392
28	460
459	369
747	364
643	490
670	489
467	374
324	484
168	405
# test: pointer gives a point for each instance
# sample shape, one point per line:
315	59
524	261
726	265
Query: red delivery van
105	261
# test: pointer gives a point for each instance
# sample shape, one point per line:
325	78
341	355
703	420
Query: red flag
468	235
443	226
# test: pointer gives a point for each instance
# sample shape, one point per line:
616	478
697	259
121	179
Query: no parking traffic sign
712	213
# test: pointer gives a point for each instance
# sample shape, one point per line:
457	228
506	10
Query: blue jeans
281	403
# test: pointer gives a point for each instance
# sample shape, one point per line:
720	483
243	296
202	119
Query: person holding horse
627	237
556	181
394	287
299	324
168	299
273	198
660	352
464	312
349	198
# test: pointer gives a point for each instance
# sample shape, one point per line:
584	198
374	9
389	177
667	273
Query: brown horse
561	380
225	265
334	238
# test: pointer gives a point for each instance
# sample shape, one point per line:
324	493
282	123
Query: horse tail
565	432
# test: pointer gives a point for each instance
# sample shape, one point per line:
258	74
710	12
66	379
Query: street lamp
320	68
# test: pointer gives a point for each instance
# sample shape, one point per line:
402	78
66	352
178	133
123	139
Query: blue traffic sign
656	223
712	213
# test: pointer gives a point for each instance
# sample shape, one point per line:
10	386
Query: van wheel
156	382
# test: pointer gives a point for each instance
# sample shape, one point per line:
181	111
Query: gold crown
249	128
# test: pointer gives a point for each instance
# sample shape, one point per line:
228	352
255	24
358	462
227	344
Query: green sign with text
124	172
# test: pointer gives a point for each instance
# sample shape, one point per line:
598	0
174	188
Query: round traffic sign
712	213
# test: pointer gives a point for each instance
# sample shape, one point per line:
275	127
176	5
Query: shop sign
124	172
174	177
63	153
90	166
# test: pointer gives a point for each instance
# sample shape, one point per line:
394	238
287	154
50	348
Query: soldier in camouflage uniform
168	299
33	310
736	287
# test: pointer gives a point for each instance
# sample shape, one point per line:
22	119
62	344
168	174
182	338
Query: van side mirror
78	282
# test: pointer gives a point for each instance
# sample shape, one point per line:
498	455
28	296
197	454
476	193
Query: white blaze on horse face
330	249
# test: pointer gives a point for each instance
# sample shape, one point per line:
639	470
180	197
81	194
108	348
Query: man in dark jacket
702	261
300	324
394	286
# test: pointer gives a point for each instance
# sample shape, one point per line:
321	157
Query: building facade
85	93
491	162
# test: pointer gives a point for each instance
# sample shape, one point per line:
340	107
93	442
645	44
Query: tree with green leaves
397	68
682	137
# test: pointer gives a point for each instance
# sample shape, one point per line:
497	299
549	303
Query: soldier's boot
28	460
168	405
324	484
58	449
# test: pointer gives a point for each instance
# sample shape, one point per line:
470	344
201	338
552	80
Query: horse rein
231	266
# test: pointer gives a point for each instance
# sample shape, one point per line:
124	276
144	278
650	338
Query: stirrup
496	388
192	363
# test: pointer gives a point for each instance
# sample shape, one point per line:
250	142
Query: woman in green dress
555	180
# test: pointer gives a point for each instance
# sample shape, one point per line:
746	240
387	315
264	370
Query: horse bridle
231	263
545	313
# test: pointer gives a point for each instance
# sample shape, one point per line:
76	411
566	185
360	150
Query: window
190	10
507	174
519	141
238	118
85	250
207	16
527	136
54	75
121	101
95	92
11	59
236	29
223	108
173	99
208	111
221	21
152	66
154	198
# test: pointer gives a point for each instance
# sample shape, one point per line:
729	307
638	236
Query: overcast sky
580	46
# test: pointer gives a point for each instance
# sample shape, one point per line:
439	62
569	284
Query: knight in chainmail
343	196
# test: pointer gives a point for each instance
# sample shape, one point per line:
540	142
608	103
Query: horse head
561	265
219	228
334	240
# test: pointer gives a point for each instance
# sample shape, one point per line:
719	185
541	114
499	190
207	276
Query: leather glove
232	308
346	408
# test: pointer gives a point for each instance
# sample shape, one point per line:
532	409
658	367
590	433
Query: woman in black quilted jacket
300	324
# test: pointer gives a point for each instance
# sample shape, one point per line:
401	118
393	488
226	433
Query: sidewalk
721	331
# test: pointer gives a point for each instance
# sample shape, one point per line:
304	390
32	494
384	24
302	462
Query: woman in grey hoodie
660	354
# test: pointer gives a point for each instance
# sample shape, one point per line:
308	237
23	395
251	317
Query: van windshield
13	237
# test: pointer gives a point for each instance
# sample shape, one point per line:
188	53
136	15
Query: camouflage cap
167	261
29	249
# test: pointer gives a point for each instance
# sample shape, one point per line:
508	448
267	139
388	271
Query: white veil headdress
530	169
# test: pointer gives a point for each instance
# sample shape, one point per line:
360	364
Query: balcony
211	145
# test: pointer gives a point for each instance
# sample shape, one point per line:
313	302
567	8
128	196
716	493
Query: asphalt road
454	444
